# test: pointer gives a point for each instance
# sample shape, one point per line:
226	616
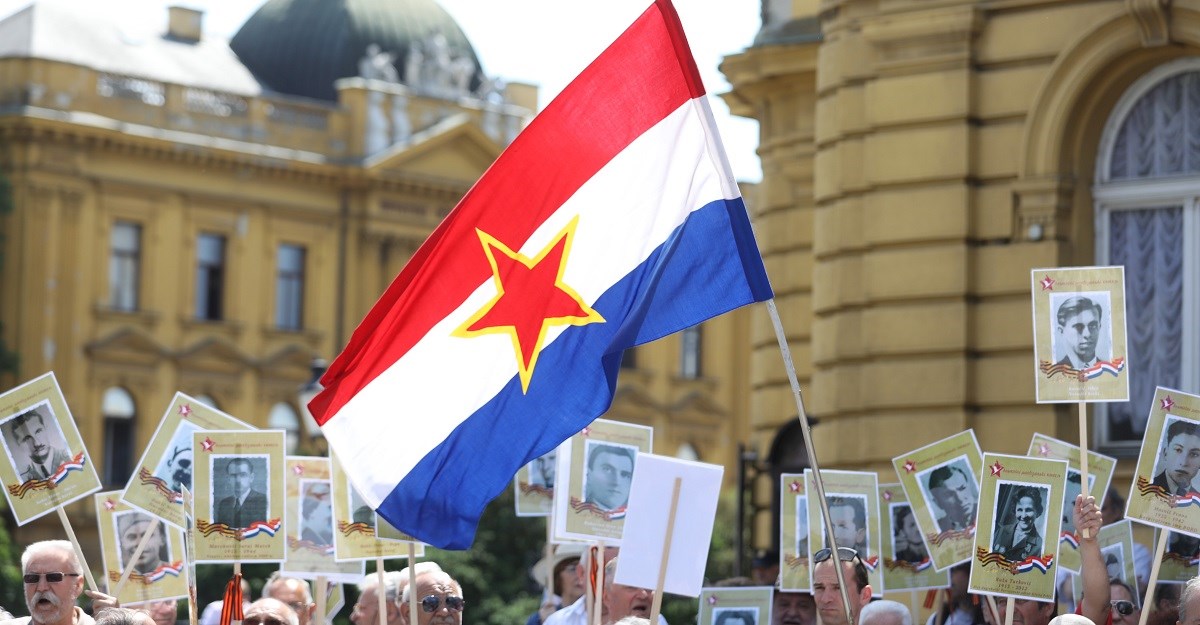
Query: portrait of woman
1021	510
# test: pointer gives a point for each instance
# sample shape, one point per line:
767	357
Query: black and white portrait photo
802	527
541	469
35	443
240	489
608	474
1178	458
1020	520
735	616
175	465
907	543
1081	331
360	512
848	513
1114	561
1074	488
952	493
131	526
316	512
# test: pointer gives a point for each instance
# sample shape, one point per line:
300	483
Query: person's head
1079	326
885	612
294	592
1124	605
1181	455
1025	611
1189	603
764	568
954	492
906	526
268	611
1164	608
162	612
318	514
124	616
609	474
366	610
439	597
241	474
1071	619
543	468
849	518
29	432
130	530
53	580
1113	565
793	608
428	566
1027	507
621	601
960	576
735	617
1114	506
179	465
827	592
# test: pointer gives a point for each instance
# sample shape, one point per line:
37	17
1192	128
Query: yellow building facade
190	214
919	159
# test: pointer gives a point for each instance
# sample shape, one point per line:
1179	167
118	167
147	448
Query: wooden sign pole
87	572
656	604
1083	459
1154	566
381	591
137	553
412	582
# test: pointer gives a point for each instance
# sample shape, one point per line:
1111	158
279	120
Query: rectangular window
689	357
124	265
289	287
210	277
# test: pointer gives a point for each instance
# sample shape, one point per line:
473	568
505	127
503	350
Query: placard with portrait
906	561
941	482
853	501
158	572
793	533
239	495
1116	549
747	605
598	466
1166	491
533	485
168	463
1181	559
1020	516
308	514
47	464
357	526
1100	470
1079	334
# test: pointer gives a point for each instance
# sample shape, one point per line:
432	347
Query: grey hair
292	617
277	577
48	546
884	607
120	616
428	566
391	583
427	571
1190	590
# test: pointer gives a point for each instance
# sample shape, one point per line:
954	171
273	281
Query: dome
300	47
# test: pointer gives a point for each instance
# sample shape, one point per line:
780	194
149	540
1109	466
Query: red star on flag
298	470
887	495
208	444
1044	449
997	468
794	486
185	410
1167	402
1047	283
110	504
910	466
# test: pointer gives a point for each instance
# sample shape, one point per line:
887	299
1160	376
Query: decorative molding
1153	18
1042	208
923	40
214	355
127	345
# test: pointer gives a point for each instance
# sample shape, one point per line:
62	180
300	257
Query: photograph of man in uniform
849	516
131	527
1076	335
802	527
240	500
906	535
541	470
1021	521
37	447
1179	456
954	496
609	475
316	513
175	466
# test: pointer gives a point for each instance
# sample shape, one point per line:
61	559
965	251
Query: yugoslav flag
611	221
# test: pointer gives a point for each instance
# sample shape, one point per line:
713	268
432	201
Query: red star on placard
110	504
185	410
1047	283
207	444
587	431
794	486
997	468
887	495
531	298
1167	403
712	600
910	466
298	470
1044	449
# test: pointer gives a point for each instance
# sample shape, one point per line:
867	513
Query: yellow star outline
530	298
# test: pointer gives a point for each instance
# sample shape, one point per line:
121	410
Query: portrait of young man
849	516
1179	456
36	444
239	488
953	494
1078	327
608	475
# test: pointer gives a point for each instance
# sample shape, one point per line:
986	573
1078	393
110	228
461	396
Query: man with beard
793	608
1180	458
1079	329
439	599
621	601
29	432
955	494
131	527
1020	538
53	581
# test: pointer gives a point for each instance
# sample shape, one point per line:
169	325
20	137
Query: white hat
544	567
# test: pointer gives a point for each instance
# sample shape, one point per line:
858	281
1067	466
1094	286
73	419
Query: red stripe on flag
581	139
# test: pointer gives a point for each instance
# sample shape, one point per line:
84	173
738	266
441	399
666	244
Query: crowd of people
54	582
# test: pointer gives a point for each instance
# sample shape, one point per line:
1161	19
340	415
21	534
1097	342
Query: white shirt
576	614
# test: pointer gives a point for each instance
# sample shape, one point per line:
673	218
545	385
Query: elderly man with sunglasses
827	592
53	581
439	599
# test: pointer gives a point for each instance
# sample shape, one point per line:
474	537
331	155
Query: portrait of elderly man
1179	457
952	489
1077	332
609	475
1021	509
37	444
131	527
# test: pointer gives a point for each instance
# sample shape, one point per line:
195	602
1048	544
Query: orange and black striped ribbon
231	608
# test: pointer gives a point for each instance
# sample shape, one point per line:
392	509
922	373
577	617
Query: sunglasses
844	554
1124	608
51	578
433	603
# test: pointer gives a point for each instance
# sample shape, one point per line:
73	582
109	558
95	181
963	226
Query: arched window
119	415
283	417
1147	197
